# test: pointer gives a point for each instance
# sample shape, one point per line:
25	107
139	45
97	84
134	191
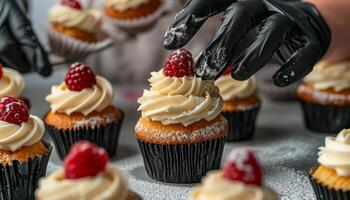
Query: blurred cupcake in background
241	105
267	88
325	97
134	15
81	109
86	175
23	154
331	179
240	179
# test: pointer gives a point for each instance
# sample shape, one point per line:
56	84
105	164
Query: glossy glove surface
19	47
251	34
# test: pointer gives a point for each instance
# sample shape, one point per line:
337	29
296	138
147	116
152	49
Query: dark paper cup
19	180
185	163
324	193
325	118
106	136
241	124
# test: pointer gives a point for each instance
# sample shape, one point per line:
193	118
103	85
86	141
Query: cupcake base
18	181
325	118
183	163
241	123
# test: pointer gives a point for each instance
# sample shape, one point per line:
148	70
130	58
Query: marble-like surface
285	148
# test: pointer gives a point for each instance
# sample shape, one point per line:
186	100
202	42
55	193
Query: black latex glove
19	47
251	33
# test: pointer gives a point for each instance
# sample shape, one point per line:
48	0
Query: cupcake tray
284	147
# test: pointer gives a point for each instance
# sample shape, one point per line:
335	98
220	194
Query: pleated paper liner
241	124
324	193
19	180
183	163
325	118
106	136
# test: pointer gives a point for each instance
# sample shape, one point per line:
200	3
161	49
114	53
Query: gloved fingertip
239	74
281	80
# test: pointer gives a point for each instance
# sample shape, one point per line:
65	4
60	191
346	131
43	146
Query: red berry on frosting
179	64
85	159
1	71
79	77
71	3
13	111
228	70
242	165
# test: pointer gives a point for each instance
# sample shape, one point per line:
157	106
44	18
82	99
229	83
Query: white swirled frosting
123	5
336	153
330	75
182	100
86	101
11	83
13	136
214	187
88	21
108	185
231	89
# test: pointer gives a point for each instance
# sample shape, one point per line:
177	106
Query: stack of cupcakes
241	105
86	175
325	97
240	179
331	179
181	133
134	15
81	110
73	31
23	154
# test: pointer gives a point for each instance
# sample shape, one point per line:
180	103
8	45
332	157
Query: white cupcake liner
142	23
69	47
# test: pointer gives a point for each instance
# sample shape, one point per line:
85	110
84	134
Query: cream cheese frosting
123	5
108	185
86	101
88	21
14	137
336	153
231	89
182	100
330	75
214	187
11	83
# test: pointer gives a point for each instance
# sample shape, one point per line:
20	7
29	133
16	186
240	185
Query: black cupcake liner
325	118
241	124
183	163
105	136
19	180
324	193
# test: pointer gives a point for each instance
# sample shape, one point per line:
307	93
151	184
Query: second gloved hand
251	33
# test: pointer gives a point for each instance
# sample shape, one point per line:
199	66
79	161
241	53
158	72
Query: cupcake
86	175
331	179
181	133
240	179
133	15
12	84
81	110
241	106
325	97
23	154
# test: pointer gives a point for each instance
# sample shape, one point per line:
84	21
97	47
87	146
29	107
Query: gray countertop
284	147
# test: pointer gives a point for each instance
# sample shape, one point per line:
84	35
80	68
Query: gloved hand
19	47
251	33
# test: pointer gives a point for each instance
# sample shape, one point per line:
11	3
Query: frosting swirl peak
86	101
231	89
11	83
336	153
182	100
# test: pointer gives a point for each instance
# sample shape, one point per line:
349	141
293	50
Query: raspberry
1	71
71	3
13	111
79	77
243	166
228	70
85	159
179	64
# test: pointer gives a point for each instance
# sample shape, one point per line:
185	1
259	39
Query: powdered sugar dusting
323	97
94	122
